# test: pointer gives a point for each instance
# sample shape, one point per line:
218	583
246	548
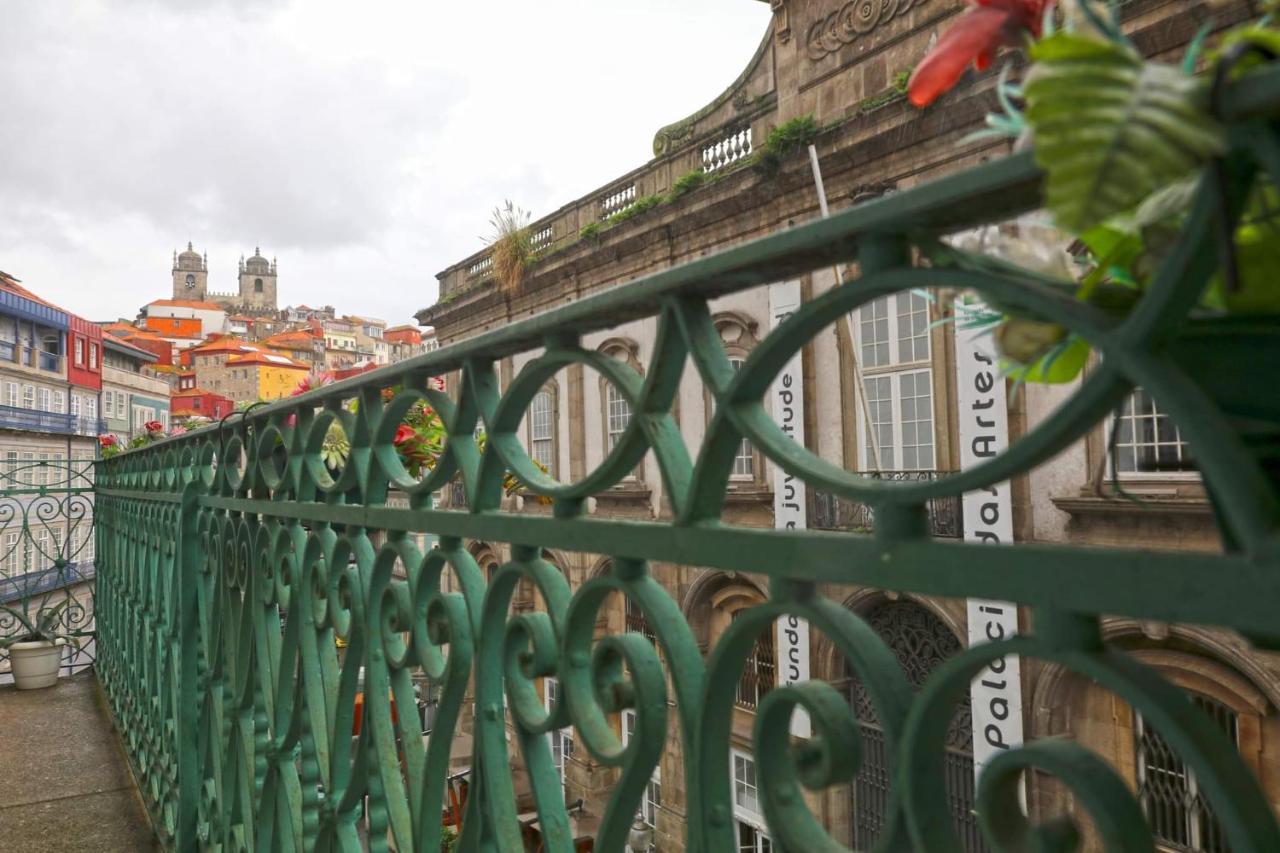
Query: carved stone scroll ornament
852	21
782	20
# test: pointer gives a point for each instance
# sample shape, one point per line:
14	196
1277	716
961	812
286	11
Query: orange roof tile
267	359
123	343
223	343
186	303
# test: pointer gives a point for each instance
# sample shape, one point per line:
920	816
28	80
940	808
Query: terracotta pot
35	663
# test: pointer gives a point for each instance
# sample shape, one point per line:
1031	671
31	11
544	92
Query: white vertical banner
790	506
996	692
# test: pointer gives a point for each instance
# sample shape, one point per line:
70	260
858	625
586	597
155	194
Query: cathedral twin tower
257	282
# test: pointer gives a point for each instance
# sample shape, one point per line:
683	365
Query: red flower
108	440
980	31
153	426
404	435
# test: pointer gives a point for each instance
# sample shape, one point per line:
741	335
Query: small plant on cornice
590	231
880	99
512	245
687	183
784	140
636	208
901	80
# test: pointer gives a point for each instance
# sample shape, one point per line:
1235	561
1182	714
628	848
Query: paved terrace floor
65	785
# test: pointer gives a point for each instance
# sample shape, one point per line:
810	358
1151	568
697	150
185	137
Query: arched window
257	285
759	674
1169	791
921	642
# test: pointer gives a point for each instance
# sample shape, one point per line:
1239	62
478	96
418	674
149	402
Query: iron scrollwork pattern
47	567
249	593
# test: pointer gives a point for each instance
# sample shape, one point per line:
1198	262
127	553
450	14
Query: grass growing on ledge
784	140
687	183
590	231
636	208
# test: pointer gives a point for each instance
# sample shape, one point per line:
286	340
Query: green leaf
1062	364
1112	129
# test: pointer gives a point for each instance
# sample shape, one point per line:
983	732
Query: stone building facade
842	61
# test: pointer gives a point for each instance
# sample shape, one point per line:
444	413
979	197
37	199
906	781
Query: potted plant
36	653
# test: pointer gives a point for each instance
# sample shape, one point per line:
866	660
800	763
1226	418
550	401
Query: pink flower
108	440
153	426
307	385
404	435
178	430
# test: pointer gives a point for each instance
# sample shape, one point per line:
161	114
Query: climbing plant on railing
1124	142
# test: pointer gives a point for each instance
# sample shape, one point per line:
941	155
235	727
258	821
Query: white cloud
362	144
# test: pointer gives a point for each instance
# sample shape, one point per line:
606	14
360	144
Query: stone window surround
738	334
551	387
627	351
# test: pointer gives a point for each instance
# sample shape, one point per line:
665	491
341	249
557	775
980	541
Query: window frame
894	368
552	392
550	697
742	814
626	351
896	423
651	799
1113	472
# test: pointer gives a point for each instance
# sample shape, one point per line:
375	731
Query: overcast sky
363	144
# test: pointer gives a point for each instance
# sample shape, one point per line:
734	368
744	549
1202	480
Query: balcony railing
46	557
241	731
59	423
828	511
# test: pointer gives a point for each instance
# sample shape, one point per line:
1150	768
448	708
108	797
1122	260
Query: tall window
93	356
91	407
11	394
652	800
541	430
561	739
744	460
12	556
638	622
75	404
752	837
46	400
893	346
79	350
1146	440
617	413
1169	791
28	396
58	402
759	673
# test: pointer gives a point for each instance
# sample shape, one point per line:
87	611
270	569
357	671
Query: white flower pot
35	663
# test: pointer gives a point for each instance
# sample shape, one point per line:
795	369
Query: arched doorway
921	641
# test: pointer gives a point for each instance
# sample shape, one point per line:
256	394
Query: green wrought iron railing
46	555
232	560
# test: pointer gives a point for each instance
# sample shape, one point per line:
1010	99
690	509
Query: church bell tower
190	275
